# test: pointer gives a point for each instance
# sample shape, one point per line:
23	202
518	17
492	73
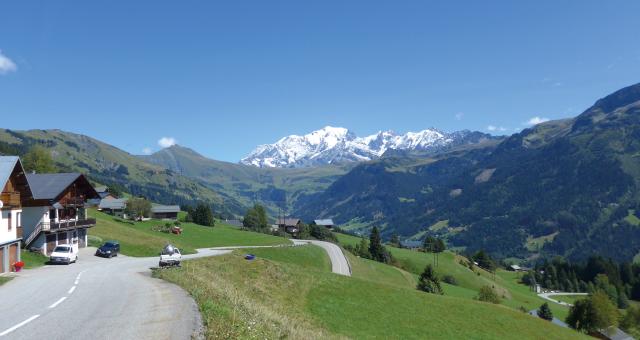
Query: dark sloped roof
165	209
326	221
112	203
50	186
288	221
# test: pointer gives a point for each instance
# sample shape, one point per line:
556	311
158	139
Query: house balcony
52	227
10	199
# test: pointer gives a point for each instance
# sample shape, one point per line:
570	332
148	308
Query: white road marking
55	304
76	282
71	290
20	325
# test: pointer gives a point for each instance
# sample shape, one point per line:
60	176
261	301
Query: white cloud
459	115
6	64
496	128
147	151
536	120
166	142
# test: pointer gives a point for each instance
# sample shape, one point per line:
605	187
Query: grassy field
310	257
137	238
33	260
569	298
275	296
512	293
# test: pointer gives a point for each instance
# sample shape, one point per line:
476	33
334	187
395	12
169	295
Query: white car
170	256
63	254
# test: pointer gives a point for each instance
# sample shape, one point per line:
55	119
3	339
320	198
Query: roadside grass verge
569	298
137	238
276	298
33	260
308	256
5	279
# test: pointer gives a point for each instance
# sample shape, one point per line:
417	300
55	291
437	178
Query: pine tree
544	312
429	281
376	249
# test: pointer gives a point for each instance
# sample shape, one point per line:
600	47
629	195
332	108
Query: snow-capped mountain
332	145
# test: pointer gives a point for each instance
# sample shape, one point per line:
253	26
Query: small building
104	192
14	190
165	212
113	206
411	244
57	213
612	333
289	225
234	223
327	223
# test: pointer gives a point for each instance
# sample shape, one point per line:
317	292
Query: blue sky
222	78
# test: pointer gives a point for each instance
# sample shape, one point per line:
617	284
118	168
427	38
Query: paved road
547	296
108	299
99	299
339	262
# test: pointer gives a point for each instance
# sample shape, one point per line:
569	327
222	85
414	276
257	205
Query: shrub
450	279
488	294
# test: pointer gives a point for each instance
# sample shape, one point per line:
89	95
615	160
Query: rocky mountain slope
332	145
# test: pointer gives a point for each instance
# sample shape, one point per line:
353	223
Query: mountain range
567	187
332	145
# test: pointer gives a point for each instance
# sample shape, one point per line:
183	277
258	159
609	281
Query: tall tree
429	282
377	251
596	312
544	312
138	207
203	215
38	159
256	219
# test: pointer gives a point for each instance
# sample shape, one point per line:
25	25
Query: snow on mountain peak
336	144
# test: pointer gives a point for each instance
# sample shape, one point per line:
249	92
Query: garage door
13	254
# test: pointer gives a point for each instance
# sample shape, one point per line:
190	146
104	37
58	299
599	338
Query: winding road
108	299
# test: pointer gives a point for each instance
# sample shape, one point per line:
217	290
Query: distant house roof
235	223
101	189
113	203
515	267
50	186
614	333
411	244
324	222
165	209
288	221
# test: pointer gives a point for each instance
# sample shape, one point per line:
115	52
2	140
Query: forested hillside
566	187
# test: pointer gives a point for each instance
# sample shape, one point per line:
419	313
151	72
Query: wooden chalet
289	225
57	213
15	191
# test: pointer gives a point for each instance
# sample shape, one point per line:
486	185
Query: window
9	221
19	219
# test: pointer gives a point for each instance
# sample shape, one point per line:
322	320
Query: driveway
108	299
548	296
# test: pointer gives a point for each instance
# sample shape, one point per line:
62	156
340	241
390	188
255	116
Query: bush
488	294
94	241
544	312
450	279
